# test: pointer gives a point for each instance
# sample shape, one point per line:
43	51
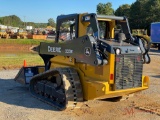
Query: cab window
67	30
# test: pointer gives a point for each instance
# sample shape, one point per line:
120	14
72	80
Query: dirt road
16	103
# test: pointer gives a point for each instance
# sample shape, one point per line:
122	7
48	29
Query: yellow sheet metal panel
111	65
100	90
82	26
62	61
145	81
112	26
101	19
99	85
99	73
41	69
95	83
118	93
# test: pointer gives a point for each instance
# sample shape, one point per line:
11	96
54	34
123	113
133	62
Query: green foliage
141	13
12	20
65	25
138	14
105	9
15	21
14	59
40	25
152	8
23	41
51	22
123	10
0	20
30	24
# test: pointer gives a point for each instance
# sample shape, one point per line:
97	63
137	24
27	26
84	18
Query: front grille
128	71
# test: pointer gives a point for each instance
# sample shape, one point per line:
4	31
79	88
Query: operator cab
102	27
113	28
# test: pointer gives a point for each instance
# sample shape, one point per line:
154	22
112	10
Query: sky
39	11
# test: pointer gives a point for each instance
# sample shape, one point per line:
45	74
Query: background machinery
3	33
142	33
101	60
155	34
20	34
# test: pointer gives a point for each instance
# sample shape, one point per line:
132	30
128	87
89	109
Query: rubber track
71	83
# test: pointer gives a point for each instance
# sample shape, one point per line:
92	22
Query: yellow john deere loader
99	59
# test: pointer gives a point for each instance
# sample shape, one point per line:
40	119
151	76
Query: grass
15	60
23	41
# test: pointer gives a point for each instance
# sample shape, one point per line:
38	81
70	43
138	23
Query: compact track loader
99	59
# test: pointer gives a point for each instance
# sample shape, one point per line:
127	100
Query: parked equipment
155	34
3	33
101	60
20	34
142	33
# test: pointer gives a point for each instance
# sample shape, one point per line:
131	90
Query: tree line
15	21
140	14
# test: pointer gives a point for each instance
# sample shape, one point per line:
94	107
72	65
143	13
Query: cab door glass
67	30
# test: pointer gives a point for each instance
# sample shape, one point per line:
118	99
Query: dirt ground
15	47
16	103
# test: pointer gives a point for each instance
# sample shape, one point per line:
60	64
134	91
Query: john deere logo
87	51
